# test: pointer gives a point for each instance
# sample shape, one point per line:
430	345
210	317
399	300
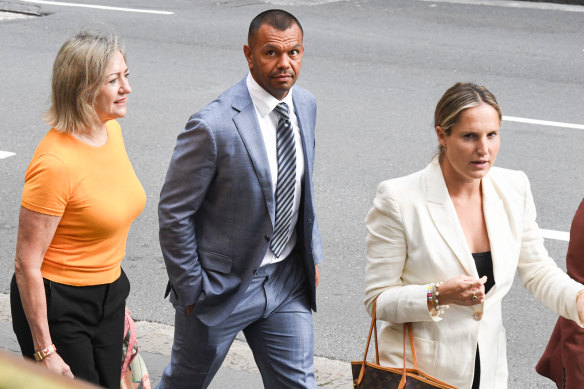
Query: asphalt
155	342
377	68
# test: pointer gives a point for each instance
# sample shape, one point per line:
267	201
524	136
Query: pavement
155	341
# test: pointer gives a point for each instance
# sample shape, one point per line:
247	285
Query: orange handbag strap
375	334
408	329
412	347
372	328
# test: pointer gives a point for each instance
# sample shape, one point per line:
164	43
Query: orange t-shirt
97	195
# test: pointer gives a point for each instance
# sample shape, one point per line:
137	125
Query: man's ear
248	55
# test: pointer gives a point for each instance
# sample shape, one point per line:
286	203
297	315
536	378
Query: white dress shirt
264	104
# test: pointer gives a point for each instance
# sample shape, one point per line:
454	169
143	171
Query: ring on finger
474	296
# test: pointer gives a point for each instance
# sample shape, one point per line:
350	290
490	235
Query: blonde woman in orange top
80	197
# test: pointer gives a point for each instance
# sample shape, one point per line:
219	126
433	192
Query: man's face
274	58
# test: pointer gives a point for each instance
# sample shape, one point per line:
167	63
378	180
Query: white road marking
547	234
6	154
146	11
556	235
543	122
515	4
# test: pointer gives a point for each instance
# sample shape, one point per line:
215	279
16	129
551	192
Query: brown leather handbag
367	375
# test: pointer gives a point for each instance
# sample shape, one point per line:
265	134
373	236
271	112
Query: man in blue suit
238	229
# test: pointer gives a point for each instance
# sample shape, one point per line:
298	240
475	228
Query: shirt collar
262	100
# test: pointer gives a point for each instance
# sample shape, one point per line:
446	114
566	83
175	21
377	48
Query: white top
264	104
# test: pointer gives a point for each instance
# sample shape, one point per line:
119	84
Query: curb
5	15
19	8
10	10
157	338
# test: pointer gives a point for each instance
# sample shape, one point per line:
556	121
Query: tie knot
282	110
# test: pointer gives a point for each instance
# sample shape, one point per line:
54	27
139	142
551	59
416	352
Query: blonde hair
78	74
456	99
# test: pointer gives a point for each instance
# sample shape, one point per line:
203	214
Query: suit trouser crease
276	319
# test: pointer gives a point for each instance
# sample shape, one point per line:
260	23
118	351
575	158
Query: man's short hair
277	18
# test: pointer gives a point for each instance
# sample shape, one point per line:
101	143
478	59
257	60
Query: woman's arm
386	255
35	233
539	273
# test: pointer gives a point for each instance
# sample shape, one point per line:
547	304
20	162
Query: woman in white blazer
469	225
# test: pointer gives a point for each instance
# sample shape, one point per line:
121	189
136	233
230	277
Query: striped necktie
286	186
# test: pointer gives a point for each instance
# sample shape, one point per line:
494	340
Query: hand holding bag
367	375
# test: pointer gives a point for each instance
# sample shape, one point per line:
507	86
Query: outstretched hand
463	290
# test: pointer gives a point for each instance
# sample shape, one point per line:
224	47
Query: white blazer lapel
497	229
443	214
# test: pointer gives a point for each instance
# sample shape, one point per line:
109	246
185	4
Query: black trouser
86	325
477	372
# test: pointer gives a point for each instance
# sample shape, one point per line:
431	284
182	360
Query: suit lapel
445	219
497	228
249	130
301	115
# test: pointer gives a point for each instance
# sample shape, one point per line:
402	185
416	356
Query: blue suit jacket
216	210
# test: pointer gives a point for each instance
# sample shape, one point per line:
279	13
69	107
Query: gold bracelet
45	352
578	295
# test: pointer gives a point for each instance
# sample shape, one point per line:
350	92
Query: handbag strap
372	327
129	341
412	346
375	334
410	331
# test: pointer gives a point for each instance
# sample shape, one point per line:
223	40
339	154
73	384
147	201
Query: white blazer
415	238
